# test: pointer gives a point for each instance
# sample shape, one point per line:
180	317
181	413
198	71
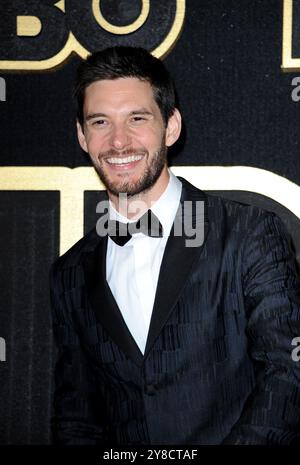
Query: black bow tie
148	224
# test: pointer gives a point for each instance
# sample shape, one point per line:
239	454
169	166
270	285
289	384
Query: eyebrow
142	111
95	115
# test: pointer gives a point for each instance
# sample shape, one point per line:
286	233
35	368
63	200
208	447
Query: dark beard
147	180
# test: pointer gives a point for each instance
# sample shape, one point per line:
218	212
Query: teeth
120	161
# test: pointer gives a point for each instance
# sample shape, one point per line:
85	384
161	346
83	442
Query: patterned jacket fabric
218	366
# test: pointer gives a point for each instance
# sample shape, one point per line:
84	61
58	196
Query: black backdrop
237	107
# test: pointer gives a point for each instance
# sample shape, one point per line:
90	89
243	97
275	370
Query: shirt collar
164	208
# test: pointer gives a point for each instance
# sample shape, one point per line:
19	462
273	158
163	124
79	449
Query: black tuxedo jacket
218	364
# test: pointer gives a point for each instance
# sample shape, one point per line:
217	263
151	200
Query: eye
99	122
136	119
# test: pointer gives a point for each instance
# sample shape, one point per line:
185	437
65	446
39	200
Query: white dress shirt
132	270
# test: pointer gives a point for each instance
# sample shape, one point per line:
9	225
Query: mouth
124	162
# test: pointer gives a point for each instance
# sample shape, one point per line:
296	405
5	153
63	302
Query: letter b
27	33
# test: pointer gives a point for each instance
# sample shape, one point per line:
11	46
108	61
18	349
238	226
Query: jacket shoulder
75	254
221	209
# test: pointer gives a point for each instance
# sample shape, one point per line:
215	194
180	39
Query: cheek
95	143
150	139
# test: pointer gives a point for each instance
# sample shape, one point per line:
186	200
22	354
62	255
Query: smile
121	161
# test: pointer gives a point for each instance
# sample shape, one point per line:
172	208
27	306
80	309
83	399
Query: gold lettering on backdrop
72	183
72	44
121	29
289	63
29	26
60	5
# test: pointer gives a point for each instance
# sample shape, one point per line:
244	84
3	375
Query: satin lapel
177	264
104	305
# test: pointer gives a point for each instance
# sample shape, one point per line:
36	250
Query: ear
81	137
173	128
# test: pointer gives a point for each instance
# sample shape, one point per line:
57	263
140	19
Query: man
162	341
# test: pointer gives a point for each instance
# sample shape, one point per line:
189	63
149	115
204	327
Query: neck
134	206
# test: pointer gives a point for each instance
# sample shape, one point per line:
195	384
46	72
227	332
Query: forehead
117	92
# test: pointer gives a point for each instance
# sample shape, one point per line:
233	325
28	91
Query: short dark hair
122	62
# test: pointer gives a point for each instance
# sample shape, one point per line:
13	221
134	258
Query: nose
120	138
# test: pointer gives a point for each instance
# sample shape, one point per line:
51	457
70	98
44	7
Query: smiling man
127	138
162	340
